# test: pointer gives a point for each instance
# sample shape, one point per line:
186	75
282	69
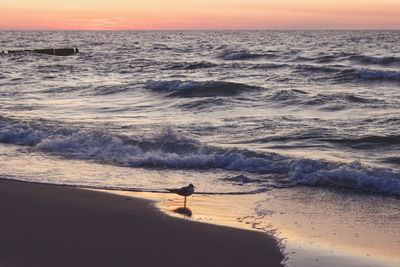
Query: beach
47	225
313	227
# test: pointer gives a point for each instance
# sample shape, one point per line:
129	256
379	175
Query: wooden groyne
51	51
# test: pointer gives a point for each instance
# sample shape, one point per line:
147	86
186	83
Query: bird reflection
184	211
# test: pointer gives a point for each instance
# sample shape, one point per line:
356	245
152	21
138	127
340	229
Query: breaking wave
170	150
349	176
180	88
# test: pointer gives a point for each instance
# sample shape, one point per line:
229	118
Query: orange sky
199	14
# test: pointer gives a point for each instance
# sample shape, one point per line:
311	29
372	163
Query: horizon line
305	29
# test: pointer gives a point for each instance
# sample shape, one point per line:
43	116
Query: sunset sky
198	14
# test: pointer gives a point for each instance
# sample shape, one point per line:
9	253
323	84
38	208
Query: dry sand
46	225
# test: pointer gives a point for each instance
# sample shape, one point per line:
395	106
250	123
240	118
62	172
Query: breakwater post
51	51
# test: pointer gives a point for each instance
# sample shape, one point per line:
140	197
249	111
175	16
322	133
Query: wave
299	135
340	73
356	58
166	149
318	68
373	60
203	103
190	65
267	66
55	68
66	89
243	55
319	136
368	141
366	75
325	58
321	99
284	95
170	150
377	74
348	176
301	98
109	89
180	88
392	160
318	59
91	90
240	56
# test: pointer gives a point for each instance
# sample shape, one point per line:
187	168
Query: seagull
183	191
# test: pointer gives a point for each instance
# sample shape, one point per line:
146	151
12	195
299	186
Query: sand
46	225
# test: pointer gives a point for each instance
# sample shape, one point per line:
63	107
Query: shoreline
50	225
306	239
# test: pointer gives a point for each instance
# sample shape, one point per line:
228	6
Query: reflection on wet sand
339	236
184	211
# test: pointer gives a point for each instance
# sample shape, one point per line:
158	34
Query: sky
198	14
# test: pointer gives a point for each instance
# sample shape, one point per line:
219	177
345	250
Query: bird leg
184	206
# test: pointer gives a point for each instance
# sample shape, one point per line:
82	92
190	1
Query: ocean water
233	112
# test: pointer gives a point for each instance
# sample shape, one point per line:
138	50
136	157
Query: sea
236	113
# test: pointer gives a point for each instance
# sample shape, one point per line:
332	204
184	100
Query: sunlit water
256	113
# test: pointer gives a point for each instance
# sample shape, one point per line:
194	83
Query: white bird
183	191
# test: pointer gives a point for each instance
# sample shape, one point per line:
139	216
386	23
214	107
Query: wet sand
316	227
46	225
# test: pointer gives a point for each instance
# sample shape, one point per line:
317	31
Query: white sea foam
350	176
170	150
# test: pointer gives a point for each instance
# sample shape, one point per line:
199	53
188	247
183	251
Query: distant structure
52	51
